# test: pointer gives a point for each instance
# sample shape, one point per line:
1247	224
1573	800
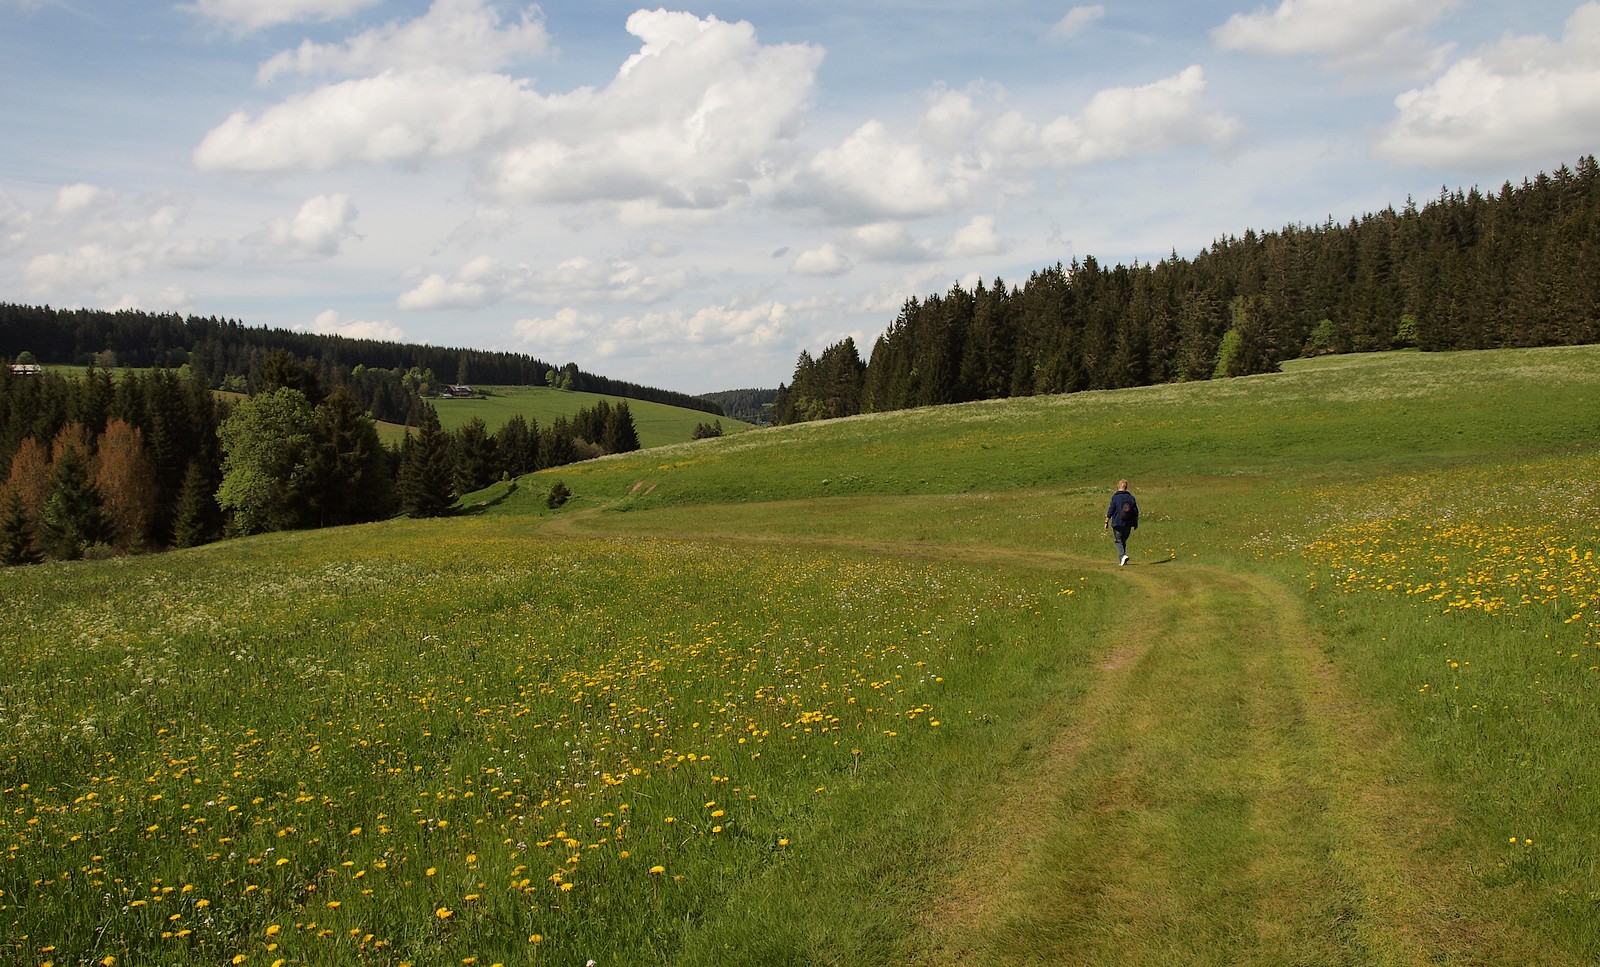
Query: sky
687	197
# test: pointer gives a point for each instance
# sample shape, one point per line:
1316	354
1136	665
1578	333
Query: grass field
657	423
866	692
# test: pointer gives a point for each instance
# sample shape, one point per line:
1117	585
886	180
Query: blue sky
689	196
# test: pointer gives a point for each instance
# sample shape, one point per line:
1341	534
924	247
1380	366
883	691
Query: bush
559	494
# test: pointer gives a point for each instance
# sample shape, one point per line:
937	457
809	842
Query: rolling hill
864	691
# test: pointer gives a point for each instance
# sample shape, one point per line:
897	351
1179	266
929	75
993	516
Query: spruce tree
16	534
72	520
426	470
198	519
620	434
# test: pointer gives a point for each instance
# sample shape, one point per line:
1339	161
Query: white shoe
1124	560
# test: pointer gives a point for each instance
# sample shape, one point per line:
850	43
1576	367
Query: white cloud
484	281
1347	33
1527	100
976	238
970	145
886	300
824	260
887	242
90	240
246	15
14	223
91	268
330	323
700	117
1077	21
567	328
735	324
875	174
81	197
695	120
391	117
169	299
488	223
1121	122
316	231
480	282
466	35
193	253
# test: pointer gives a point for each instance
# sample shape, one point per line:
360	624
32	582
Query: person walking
1122	518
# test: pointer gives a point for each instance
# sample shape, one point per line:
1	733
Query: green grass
657	423
1355	656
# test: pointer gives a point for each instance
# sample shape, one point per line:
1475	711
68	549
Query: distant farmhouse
27	369
457	393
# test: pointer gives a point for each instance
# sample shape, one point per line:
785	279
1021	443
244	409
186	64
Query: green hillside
657	423
871	691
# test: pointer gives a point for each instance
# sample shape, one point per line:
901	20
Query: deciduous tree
125	479
267	445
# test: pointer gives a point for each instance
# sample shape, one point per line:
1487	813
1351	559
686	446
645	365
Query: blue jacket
1124	510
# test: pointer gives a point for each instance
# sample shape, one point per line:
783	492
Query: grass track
1214	796
1219	799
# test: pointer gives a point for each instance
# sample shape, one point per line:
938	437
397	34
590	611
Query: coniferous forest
1468	270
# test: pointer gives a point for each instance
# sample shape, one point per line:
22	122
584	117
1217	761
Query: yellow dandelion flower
657	870
239	959
333	904
443	913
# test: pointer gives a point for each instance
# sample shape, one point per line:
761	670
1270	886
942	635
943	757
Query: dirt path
1218	798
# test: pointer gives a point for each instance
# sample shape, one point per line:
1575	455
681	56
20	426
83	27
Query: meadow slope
865	692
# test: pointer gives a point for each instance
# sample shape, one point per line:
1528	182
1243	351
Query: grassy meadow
657	423
863	692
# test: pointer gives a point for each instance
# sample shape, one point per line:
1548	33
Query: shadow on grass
482	505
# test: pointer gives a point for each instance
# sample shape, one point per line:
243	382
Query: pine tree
620	435
16	534
349	474
426	470
72	520
474	457
516	446
198	518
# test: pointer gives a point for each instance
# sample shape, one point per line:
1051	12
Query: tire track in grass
1218	798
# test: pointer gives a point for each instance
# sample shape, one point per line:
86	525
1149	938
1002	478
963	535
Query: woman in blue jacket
1122	518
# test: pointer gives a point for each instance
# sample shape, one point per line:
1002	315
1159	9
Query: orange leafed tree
125	478
30	478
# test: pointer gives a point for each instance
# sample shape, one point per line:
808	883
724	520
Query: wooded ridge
1468	270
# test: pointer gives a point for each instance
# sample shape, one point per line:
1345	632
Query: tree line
1468	270
98	465
227	354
